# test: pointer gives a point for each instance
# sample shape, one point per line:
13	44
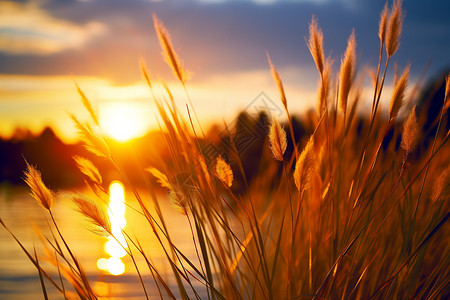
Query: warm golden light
122	121
116	244
113	248
102	264
115	266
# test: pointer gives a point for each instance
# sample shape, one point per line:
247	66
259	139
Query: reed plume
88	168
411	132
169	53
277	139
315	44
93	213
324	87
394	28
383	24
347	72
92	142
39	191
145	73
441	182
178	201
160	177
87	104
276	77
305	166
224	172
398	95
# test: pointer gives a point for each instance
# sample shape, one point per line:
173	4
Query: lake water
19	279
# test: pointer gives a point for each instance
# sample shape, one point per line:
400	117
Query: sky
47	46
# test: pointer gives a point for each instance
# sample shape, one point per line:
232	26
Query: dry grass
411	132
277	140
347	72
352	217
398	95
394	28
305	167
224	172
39	190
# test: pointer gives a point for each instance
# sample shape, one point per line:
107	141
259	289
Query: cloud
27	29
271	1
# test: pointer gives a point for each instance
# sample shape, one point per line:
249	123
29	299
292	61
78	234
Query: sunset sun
122	121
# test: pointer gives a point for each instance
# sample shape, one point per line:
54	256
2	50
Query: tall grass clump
357	210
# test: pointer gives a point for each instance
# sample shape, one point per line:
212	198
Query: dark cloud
232	36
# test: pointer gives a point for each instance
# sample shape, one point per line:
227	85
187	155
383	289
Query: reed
277	139
368	196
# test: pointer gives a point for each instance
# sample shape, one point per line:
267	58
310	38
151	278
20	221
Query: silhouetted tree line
244	139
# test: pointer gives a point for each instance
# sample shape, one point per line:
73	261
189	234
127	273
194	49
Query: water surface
19	278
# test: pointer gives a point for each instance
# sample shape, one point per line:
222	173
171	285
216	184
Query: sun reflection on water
115	245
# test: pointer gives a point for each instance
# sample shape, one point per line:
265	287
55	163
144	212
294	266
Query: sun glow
123	121
115	246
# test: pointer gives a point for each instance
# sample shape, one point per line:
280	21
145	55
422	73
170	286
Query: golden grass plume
93	142
277	79
224	172
383	24
168	51
87	104
305	166
277	139
160	177
178	201
394	28
441	182
411	132
315	44
88	168
398	95
39	191
95	214
347	72
324	87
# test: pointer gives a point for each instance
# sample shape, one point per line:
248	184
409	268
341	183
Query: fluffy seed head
178	201
87	104
305	166
383	23
169	53
160	177
411	132
398	95
277	79
394	28
347	72
94	214
40	192
93	143
224	172
324	87
278	141
88	168
441	182
315	44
